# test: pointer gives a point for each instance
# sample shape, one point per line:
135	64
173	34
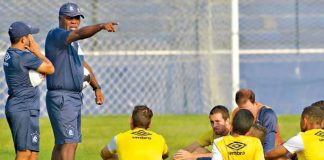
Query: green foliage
97	131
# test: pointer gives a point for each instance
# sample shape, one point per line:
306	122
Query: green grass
178	130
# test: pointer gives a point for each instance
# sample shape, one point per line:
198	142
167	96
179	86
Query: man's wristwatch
95	88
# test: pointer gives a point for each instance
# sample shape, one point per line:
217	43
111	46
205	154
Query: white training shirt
112	146
294	144
217	155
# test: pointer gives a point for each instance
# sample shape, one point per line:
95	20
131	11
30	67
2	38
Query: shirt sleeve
59	37
165	147
30	61
204	139
112	147
294	144
217	155
269	121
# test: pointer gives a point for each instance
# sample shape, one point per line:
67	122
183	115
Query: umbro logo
320	133
141	133
236	145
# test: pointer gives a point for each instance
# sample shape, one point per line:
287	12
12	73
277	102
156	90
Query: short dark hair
319	104
242	121
243	95
220	109
142	116
314	114
15	40
258	131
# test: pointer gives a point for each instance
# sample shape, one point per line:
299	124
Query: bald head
244	95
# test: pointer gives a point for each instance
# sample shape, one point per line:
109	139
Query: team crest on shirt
7	57
236	146
35	137
141	134
69	131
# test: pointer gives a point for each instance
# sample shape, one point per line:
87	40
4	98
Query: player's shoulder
17	51
266	111
23	54
208	134
155	134
51	31
56	31
254	139
219	139
251	140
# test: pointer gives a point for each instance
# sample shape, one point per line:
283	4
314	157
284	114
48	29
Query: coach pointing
64	96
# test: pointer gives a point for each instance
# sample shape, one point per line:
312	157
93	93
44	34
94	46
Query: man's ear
304	124
23	39
131	122
149	126
227	121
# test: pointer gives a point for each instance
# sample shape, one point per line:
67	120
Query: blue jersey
68	63
268	119
22	95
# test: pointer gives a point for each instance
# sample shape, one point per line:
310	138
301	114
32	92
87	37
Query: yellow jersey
313	145
139	144
207	138
237	148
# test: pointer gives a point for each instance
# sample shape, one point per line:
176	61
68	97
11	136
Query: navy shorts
24	126
64	111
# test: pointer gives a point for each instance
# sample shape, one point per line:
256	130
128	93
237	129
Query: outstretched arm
89	31
192	151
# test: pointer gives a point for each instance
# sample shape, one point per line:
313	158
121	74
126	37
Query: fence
174	55
158	57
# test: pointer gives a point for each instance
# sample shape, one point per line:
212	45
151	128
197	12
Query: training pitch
97	131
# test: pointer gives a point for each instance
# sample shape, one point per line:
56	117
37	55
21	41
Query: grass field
178	130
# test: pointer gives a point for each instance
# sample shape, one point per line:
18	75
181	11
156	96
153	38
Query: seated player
138	143
219	120
237	146
264	115
309	143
